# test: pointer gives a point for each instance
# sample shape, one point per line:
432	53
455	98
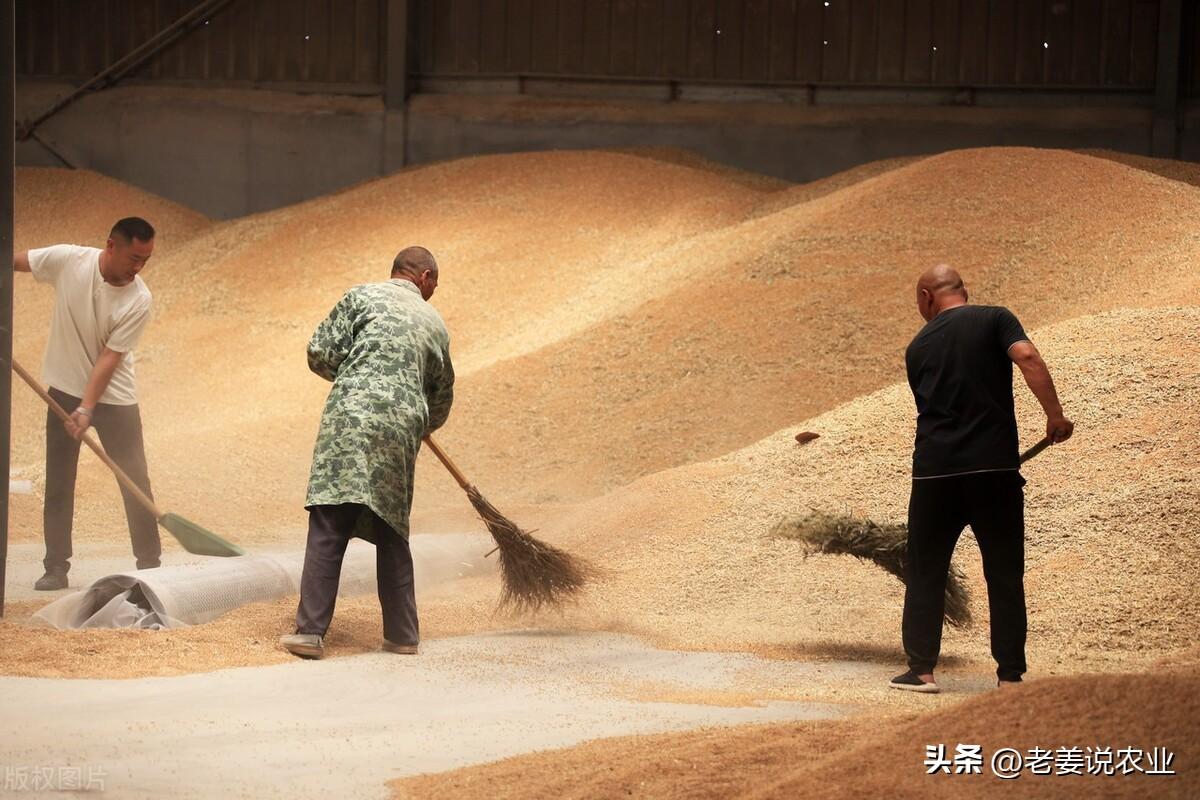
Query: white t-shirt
89	315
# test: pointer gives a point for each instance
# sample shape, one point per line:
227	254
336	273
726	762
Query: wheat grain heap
639	337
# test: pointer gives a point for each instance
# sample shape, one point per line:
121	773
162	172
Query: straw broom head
535	574
884	544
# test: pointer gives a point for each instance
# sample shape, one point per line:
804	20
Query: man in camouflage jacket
388	354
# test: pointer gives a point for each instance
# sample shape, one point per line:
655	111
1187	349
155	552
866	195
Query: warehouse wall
231	152
276	101
958	42
1080	43
291	43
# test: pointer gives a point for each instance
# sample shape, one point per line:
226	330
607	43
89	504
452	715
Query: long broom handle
457	473
445	459
124	479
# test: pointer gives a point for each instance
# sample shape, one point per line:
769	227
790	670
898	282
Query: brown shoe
305	645
400	649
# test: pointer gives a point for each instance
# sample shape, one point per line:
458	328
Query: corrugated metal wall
252	41
1191	48
1081	43
1085	44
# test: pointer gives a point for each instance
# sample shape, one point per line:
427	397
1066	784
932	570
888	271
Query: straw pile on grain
884	544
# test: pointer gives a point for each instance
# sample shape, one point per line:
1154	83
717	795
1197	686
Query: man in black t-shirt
965	468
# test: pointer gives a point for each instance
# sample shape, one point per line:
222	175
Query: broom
194	538
535	574
884	544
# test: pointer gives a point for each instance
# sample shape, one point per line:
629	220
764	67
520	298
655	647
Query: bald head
939	279
413	261
418	265
939	288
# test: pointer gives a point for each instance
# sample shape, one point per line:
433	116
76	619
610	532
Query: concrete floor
343	727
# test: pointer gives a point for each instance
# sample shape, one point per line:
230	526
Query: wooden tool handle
125	480
1037	448
445	459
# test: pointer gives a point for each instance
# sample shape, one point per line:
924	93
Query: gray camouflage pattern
387	352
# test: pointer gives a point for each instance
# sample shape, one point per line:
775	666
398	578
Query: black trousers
993	504
120	430
330	529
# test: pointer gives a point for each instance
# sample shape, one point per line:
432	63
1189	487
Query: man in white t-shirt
101	307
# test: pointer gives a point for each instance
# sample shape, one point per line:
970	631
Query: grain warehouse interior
639	336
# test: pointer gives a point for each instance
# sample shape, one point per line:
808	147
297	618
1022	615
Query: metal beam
8	97
1164	136
52	150
135	58
396	55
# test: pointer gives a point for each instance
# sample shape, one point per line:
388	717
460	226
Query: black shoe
51	581
149	564
911	682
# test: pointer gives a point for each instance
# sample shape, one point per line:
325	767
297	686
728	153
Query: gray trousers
330	529
120	429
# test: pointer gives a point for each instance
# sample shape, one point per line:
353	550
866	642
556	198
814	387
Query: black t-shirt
961	378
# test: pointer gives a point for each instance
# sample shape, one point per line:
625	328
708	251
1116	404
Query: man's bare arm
21	262
98	381
1037	376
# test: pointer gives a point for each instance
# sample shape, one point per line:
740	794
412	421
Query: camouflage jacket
388	354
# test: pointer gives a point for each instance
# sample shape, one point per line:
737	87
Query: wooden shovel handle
464	483
445	459
1037	448
125	480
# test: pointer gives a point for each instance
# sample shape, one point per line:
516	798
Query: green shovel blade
198	540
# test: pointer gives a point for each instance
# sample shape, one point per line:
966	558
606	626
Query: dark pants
330	529
993	504
120	430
